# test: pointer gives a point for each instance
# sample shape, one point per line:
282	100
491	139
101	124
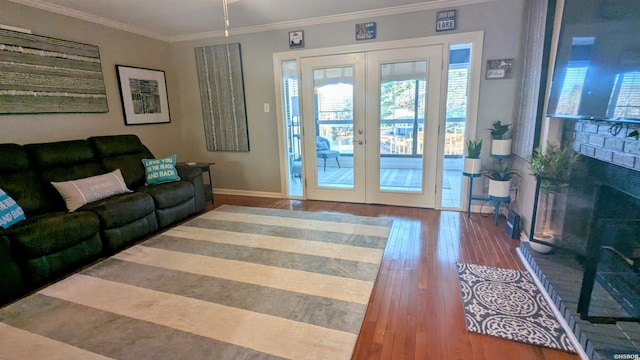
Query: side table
471	197
496	201
206	168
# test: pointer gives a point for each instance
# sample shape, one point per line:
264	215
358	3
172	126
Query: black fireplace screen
613	254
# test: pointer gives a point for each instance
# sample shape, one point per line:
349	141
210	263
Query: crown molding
423	6
358	15
90	18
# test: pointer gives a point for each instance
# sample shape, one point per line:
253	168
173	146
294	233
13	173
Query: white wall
258	170
116	47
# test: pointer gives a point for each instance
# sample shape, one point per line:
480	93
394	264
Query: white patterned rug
507	303
233	283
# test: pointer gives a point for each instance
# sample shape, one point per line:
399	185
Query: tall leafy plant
552	168
499	130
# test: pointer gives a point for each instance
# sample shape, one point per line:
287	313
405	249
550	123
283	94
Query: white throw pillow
77	193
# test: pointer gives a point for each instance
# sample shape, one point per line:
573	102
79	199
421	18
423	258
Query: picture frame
366	31
446	20
144	95
296	39
499	69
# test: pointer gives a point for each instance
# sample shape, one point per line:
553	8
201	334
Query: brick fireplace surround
611	158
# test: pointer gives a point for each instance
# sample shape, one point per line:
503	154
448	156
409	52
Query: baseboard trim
554	307
247	193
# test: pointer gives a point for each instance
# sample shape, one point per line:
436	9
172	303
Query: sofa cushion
110	146
10	211
159	171
170	194
77	193
122	152
62	161
65	160
21	182
48	267
49	233
13	158
119	210
12	284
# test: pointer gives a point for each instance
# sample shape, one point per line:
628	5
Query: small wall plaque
366	31
446	20
499	69
296	39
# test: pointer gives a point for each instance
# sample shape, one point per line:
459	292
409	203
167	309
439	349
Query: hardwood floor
415	311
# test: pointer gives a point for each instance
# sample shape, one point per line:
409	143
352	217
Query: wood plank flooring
415	311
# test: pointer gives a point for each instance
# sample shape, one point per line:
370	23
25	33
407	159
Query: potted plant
500	175
552	169
500	143
472	162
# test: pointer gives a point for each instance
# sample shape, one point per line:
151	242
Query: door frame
476	38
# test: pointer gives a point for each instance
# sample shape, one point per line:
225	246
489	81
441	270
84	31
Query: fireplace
612	254
593	271
601	227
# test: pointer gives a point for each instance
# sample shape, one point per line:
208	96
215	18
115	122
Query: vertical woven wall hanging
39	74
222	94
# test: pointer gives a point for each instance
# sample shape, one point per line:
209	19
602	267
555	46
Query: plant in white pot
472	162
500	142
552	169
500	175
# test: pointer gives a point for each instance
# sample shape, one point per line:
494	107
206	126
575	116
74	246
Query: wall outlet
266	107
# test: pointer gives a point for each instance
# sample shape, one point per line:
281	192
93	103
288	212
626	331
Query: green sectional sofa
53	241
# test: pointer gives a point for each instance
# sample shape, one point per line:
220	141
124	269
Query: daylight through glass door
402	113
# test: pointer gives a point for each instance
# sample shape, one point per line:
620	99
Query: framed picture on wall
296	39
144	95
499	69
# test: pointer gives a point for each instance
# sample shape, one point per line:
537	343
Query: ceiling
178	20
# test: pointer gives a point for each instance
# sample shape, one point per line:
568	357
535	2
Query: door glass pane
402	109
333	95
455	124
292	117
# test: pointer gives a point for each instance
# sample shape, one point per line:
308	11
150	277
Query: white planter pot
499	188
543	249
501	147
472	166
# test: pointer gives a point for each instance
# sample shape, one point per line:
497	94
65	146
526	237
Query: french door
370	126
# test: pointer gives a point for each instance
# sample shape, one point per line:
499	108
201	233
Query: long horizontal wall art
222	95
39	74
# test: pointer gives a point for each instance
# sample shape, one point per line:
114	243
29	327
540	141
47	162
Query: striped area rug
233	283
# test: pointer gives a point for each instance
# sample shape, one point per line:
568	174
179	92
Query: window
625	97
572	86
402	117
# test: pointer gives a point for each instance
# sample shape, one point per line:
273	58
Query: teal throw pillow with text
160	170
10	211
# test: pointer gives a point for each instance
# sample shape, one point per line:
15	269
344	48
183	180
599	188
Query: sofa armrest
194	176
12	284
